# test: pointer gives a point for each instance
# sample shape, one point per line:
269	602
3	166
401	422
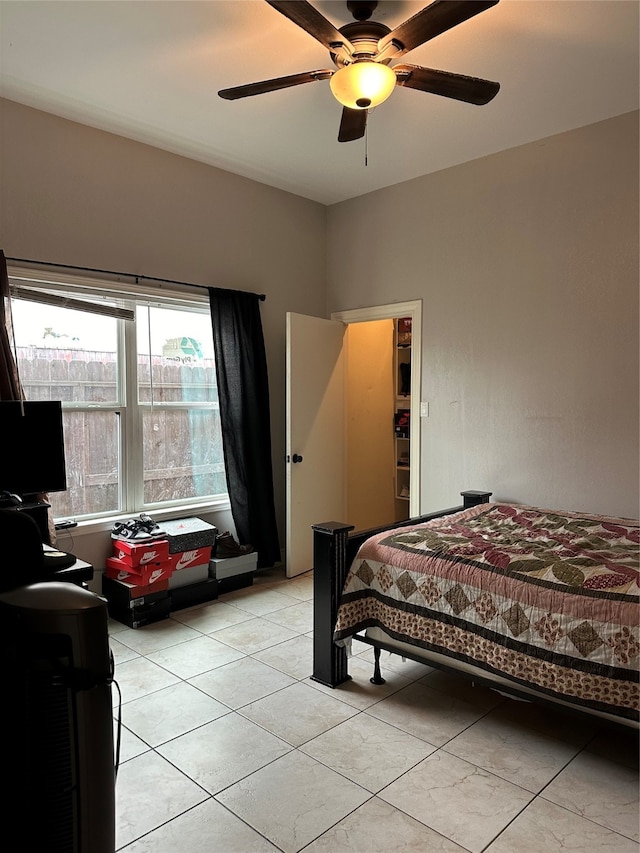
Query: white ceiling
150	70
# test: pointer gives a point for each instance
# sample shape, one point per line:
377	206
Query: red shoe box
186	559
124	594
140	553
135	605
148	574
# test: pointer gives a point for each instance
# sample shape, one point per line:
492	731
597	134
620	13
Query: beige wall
526	261
527	264
79	196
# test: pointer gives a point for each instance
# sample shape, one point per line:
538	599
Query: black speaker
56	719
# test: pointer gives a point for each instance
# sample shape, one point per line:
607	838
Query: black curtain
10	388
243	390
10	385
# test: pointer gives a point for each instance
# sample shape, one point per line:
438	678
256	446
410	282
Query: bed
539	604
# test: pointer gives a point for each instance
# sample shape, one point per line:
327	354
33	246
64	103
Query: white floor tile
224	751
299	587
169	713
368	751
259	601
130	744
456	767
524	756
212	617
297	617
601	790
206	827
121	653
293	800
546	828
409	669
457	799
149	792
293	657
138	677
253	635
619	745
463	689
158	635
377	827
359	691
428	714
298	713
195	656
241	682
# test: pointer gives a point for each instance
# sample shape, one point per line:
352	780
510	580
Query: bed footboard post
329	574
471	497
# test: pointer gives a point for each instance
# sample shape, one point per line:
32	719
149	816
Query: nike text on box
185	559
138	553
125	595
144	574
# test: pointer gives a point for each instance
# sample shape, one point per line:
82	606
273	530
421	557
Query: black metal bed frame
334	549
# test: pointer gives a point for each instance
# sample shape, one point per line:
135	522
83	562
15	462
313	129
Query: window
139	395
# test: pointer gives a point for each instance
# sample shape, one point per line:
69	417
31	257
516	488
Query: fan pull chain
366	144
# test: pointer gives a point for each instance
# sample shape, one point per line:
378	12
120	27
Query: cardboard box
124	595
194	593
145	614
189	575
185	534
401	424
226	567
234	582
143	575
186	559
140	553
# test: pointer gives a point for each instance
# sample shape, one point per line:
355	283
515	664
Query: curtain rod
261	296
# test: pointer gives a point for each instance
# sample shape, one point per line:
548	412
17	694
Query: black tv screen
32	440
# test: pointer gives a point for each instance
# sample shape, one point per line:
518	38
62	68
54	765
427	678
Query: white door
315	441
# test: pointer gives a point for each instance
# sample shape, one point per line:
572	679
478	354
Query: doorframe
392	311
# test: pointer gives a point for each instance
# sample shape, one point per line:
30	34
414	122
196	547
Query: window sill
105	523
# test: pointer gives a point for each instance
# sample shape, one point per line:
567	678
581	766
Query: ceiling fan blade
472	90
431	21
352	125
273	85
313	22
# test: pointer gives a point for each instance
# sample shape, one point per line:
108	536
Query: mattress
544	599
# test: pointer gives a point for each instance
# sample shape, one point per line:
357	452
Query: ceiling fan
363	51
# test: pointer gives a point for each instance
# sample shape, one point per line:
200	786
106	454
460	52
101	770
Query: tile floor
228	746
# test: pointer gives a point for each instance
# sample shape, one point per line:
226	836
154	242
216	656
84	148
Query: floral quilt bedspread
547	599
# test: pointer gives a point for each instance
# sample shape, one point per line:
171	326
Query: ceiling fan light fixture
363	84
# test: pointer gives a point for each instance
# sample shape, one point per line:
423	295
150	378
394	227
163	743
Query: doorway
316	423
411	311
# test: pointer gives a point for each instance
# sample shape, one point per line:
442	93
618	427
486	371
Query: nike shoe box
130	595
144	574
138	617
186	534
189	575
185	559
193	593
136	605
233	572
139	553
226	567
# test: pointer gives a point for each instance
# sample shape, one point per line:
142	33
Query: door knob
296	457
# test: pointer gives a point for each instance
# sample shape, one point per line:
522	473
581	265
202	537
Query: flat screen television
32	441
